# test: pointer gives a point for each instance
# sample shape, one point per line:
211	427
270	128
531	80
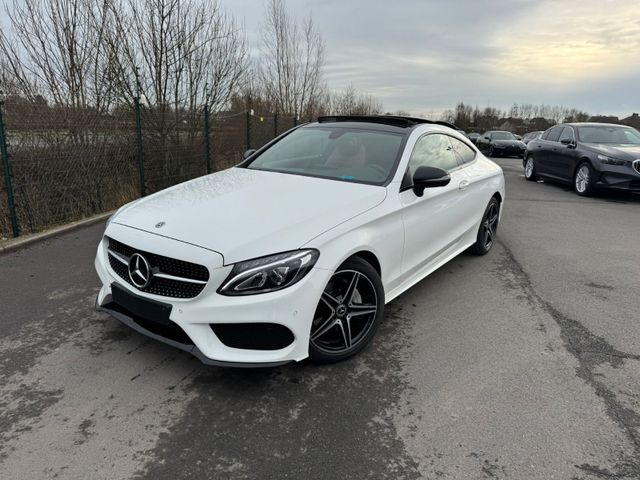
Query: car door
564	156
543	150
432	221
483	142
475	194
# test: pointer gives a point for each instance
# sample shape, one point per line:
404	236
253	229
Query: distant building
510	124
604	119
539	124
632	121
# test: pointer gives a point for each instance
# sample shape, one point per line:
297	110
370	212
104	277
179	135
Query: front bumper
292	308
516	151
129	321
619	178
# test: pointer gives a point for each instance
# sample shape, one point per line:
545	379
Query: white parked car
295	252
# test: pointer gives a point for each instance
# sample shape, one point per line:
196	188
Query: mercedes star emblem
159	224
139	271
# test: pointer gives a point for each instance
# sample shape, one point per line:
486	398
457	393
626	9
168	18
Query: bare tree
8	82
292	62
54	48
352	102
183	53
92	53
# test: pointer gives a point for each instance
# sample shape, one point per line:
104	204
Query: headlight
268	274
611	161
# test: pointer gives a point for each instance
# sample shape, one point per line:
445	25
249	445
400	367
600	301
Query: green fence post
207	143
295	121
248	120
6	162
140	146
275	125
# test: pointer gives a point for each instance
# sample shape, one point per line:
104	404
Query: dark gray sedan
590	156
499	143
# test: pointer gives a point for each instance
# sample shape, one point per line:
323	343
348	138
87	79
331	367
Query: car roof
390	122
592	124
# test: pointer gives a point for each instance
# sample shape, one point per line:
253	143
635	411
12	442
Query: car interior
338	153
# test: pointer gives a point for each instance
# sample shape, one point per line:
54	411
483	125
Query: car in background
295	252
518	137
531	136
590	156
473	136
500	143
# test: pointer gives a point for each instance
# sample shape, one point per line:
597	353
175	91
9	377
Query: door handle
463	184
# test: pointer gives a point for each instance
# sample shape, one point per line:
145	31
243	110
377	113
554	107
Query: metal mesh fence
71	163
5	219
173	148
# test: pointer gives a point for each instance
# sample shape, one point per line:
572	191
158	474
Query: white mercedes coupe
294	252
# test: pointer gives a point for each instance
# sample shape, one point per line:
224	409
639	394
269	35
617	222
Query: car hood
243	214
508	143
624	152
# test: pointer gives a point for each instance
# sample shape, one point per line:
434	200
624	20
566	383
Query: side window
433	150
554	134
464	152
567	132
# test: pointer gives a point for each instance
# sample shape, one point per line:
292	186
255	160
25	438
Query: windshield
612	135
335	152
502	136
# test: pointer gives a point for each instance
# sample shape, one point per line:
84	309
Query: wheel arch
580	161
369	257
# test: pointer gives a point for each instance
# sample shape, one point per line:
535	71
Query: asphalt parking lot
522	364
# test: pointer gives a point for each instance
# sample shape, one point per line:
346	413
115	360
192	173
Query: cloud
425	55
558	43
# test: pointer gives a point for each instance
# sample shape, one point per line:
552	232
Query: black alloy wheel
488	229
348	313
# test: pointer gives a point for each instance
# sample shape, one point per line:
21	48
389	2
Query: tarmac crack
590	351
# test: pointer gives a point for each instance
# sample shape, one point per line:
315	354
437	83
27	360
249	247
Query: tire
583	180
348	313
530	173
488	229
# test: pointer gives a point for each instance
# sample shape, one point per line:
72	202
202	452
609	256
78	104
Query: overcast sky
425	55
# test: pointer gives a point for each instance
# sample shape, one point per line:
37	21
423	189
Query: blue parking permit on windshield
346	177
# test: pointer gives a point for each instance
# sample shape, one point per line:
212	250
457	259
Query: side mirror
566	141
429	177
249	152
487	138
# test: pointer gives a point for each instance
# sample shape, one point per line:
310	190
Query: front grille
189	278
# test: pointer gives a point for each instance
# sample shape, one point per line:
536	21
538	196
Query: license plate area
144	308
